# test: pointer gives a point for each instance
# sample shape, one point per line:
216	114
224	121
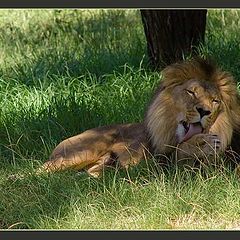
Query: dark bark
171	34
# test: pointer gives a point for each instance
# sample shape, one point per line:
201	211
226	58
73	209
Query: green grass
64	71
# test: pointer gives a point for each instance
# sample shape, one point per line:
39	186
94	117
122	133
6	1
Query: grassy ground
62	72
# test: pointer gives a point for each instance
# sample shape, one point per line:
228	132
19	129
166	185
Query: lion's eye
216	101
190	92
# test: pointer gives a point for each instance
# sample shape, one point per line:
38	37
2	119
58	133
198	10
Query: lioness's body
193	115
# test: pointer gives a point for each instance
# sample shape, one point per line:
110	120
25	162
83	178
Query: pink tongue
194	128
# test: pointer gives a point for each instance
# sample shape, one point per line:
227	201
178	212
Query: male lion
193	115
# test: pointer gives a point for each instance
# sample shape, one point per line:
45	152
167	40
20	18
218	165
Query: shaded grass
64	71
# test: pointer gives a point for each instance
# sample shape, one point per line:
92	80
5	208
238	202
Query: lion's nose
203	112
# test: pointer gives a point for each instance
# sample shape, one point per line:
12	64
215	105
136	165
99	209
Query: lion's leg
77	161
128	158
120	155
201	148
97	168
123	158
131	155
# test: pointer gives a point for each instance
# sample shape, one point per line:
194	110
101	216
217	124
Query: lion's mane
161	115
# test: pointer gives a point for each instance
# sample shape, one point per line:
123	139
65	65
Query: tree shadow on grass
98	45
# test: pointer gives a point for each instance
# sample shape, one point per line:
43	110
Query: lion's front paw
200	147
208	144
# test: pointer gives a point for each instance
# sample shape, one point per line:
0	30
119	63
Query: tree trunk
171	34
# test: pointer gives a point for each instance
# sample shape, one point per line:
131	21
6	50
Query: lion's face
198	104
193	97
